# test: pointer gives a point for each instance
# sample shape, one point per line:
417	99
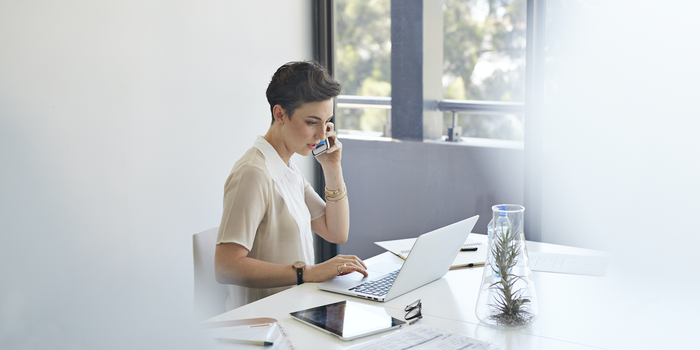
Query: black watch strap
299	266
300	276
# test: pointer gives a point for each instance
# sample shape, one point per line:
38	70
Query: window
483	72
363	64
484	55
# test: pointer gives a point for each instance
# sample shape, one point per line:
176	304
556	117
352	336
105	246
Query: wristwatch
299	266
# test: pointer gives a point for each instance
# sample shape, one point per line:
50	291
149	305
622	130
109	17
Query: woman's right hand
339	265
333	155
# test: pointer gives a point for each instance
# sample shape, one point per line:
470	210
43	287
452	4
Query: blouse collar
273	160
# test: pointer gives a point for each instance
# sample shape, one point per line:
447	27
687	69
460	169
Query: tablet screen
348	319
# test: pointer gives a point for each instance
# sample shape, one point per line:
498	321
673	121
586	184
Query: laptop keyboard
377	287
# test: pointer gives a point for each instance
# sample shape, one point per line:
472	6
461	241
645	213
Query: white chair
209	295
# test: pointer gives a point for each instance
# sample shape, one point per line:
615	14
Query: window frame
399	122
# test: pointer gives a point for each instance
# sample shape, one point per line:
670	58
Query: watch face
299	265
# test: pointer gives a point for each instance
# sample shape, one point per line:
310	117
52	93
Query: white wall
621	129
621	150
119	122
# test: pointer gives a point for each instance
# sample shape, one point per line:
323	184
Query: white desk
576	312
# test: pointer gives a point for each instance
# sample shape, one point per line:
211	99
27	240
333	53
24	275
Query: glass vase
507	297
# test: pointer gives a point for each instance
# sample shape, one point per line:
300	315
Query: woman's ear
279	113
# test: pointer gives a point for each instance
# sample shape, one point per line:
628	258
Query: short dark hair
296	83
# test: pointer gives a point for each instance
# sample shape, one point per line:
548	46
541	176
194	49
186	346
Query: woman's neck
273	137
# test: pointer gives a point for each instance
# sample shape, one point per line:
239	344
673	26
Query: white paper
402	248
424	337
572	264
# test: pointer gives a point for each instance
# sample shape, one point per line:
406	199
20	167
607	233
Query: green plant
511	307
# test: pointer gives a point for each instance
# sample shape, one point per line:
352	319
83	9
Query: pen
466	266
470	249
244	341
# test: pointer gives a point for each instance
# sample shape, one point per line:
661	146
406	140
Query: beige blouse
268	209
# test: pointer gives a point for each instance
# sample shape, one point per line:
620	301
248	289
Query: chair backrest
209	295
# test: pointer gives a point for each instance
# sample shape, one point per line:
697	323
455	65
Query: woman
265	241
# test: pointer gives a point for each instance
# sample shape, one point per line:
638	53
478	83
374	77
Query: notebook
222	334
431	257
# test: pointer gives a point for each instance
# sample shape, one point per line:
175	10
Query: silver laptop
430	259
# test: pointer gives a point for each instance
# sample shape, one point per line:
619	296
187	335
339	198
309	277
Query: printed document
572	264
424	337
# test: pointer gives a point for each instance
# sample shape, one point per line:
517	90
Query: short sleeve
316	205
246	196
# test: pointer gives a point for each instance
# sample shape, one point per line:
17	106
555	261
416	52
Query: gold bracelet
336	195
345	196
336	191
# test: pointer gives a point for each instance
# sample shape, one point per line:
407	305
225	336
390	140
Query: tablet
347	319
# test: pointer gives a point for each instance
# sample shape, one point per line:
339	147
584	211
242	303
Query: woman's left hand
338	265
334	152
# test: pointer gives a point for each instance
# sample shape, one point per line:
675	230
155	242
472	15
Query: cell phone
321	148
